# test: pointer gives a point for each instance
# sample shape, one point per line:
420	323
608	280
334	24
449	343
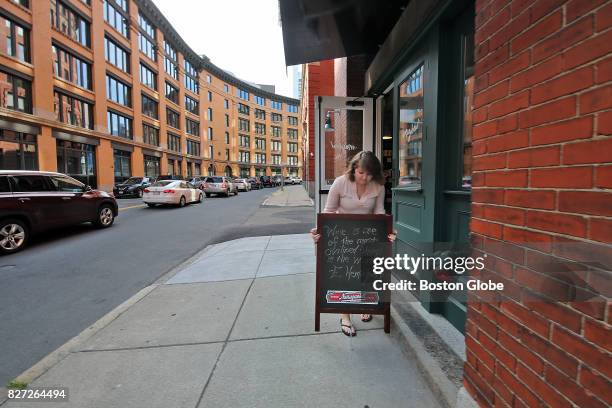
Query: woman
358	191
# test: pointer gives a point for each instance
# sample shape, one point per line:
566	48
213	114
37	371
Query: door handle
23	200
66	198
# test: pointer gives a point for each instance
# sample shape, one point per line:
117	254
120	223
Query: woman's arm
380	201
333	198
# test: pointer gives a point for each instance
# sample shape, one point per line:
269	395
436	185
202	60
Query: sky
243	37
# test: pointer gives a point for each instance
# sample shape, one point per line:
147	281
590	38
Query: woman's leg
346	326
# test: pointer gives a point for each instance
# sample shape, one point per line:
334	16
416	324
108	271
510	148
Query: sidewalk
289	196
235	328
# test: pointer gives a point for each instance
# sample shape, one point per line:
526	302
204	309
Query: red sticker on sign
352	296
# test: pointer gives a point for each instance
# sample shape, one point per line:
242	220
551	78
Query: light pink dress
342	198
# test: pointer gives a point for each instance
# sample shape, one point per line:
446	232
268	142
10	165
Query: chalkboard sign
345	254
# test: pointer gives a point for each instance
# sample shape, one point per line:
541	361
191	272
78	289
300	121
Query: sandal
366	319
351	332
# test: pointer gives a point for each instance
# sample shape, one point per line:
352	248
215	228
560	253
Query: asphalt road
66	280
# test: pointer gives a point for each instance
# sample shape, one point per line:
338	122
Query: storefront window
17	151
123	168
468	105
151	165
411	114
78	160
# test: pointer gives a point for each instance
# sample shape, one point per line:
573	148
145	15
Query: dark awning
317	30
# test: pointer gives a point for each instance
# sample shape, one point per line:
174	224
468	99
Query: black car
132	186
35	201
255	183
266	181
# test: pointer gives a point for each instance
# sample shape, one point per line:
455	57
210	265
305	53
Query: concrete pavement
289	196
235	328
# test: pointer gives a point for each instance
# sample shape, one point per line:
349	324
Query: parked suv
132	186
266	181
255	183
219	185
34	201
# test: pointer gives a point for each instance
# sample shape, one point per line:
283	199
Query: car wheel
105	217
182	201
226	193
200	198
236	192
151	204
207	195
139	193
14	235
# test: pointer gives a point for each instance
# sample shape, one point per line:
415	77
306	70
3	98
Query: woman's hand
391	236
314	235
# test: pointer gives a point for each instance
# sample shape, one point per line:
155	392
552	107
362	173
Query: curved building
110	91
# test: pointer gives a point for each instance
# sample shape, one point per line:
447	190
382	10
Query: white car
297	180
242	184
177	192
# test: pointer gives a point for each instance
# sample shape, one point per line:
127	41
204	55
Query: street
66	280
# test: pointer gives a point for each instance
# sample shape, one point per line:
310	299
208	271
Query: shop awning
317	30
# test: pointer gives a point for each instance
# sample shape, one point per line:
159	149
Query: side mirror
88	188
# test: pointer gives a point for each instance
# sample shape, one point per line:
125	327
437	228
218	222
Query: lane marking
132	206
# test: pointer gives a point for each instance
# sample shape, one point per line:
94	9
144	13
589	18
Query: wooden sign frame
385	310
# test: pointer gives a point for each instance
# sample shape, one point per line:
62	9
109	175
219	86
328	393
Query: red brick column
542	199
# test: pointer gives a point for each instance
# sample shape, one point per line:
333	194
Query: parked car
178	192
242	184
219	185
277	180
198	181
266	181
289	180
255	183
35	201
132	186
297	180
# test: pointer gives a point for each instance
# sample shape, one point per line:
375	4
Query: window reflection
468	105
411	129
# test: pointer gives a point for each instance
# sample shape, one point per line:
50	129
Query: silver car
242	184
219	185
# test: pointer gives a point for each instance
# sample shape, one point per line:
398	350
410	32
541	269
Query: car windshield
163	183
215	180
133	180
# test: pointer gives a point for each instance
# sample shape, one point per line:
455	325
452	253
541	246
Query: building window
115	14
260	100
173	118
227	154
260	158
276	131
118	92
260	114
174	142
192	127
18	151
276	159
209	79
148	77
15	40
243	125
226	104
193	147
260	144
78	160
227	120
71	68
209	96
119	125
73	111
191	78
242	94
292	147
260	128
172	93
150	135
197	169
151	166
16	93
243	109
293	160
22	3
292	120
244	157
210	155
411	116
123	165
210	115
70	23
191	105
276	117
276	105
276	145
244	141
292	134
226	88
146	37
150	107
292	108
170	61
116	55
227	138
210	133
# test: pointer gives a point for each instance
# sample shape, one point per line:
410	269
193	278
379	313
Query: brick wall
542	199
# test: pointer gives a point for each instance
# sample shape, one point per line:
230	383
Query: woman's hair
368	162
